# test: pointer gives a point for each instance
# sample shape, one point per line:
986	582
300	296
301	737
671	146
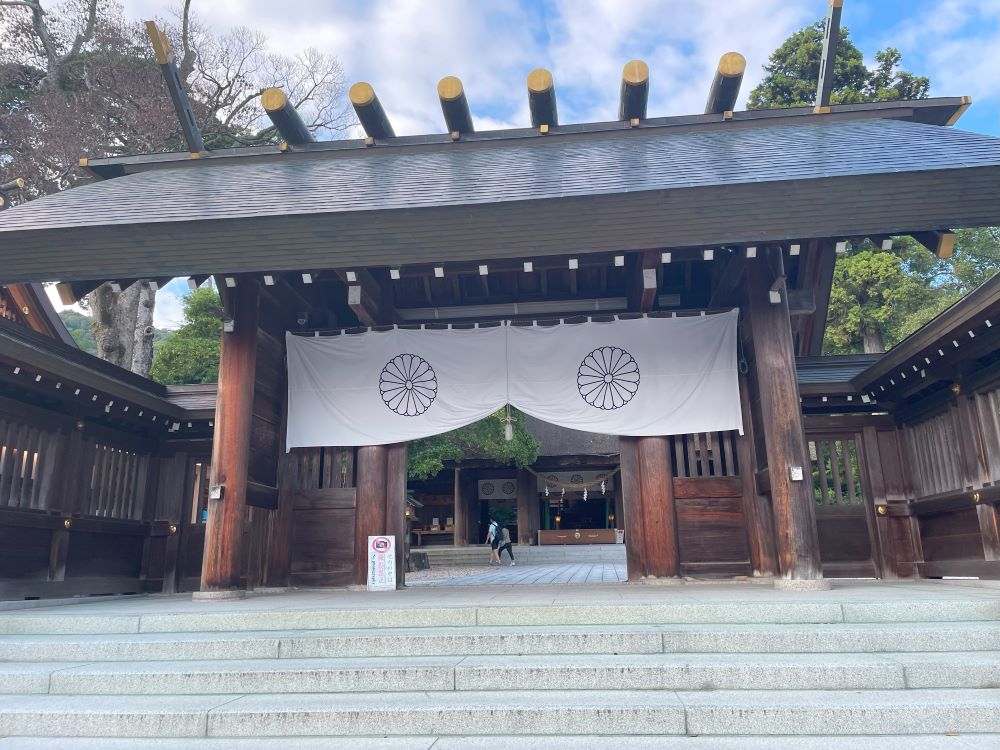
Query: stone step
817	610
954	741
501	673
478	640
507	713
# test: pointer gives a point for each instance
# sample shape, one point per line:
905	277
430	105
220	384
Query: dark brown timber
542	98
175	87
726	84
369	519
285	117
370	113
635	91
658	514
454	105
223	559
781	423
635	555
831	36
395	504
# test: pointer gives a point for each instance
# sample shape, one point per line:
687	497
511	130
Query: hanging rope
574	485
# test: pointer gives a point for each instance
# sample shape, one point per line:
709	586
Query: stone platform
696	666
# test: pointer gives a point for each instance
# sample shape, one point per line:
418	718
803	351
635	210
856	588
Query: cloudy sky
403	47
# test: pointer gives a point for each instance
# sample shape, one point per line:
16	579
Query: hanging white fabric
646	376
386	387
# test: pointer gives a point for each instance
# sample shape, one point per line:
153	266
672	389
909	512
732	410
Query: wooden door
844	513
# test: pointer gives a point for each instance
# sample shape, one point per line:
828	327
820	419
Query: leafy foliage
793	69
878	298
78	326
483	439
191	354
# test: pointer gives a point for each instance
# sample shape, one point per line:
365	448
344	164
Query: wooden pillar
395	505
461	522
648	502
369	510
974	476
470	497
231	448
527	508
797	542
756	507
659	516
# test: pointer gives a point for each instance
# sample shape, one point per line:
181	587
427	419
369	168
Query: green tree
191	354
483	439
79	328
793	69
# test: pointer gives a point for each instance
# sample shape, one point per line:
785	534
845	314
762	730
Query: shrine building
381	289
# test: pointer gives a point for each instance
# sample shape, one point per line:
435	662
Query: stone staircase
779	671
444	555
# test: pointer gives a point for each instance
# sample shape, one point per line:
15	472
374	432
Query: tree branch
86	35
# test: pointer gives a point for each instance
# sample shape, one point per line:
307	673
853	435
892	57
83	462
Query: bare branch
86	34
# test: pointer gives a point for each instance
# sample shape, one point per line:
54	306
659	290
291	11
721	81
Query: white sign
381	563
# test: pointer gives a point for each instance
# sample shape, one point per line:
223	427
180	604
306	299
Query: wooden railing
705	454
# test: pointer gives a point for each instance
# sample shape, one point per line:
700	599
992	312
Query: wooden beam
175	87
368	300
727	289
395	505
643	281
369	519
780	419
285	117
72	292
725	87
223	558
824	253
635	91
370	113
941	243
542	99
801	302
262	495
454	105
831	36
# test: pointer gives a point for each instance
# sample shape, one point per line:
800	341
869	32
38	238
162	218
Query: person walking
505	544
493	539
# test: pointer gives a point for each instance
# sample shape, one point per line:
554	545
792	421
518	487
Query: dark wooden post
470	496
369	518
781	422
756	507
527	507
58	552
635	553
395	505
461	522
223	558
659	519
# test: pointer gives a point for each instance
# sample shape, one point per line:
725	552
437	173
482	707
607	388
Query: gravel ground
448	571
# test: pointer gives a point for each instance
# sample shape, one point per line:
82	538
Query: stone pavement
527	574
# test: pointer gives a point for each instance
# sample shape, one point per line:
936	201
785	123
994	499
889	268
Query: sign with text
381	563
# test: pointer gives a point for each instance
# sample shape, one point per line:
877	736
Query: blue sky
403	47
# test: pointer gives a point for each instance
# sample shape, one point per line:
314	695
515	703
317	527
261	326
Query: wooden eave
952	325
36	354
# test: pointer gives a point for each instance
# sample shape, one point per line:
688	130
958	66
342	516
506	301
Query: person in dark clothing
505	545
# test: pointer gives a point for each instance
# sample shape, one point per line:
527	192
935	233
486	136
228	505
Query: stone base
218	596
802	584
665	581
272	589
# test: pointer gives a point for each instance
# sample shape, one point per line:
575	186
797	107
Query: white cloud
403	47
